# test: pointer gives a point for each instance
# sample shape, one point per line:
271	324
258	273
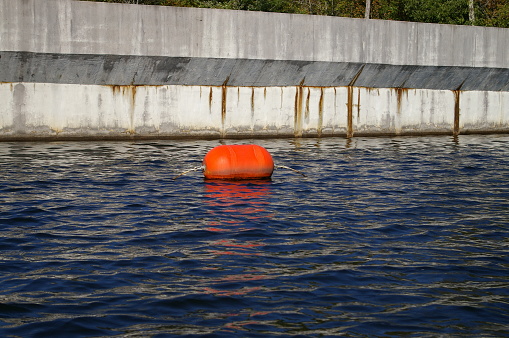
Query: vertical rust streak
252	101
115	89
358	102
210	101
297	122
223	105
223	109
399	93
129	93
133	93
320	114
306	112
456	129
349	130
349	117
133	103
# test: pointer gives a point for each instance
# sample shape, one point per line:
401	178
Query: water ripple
385	237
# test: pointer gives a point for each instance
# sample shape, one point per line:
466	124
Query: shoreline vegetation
489	13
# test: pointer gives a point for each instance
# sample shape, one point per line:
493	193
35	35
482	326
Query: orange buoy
238	162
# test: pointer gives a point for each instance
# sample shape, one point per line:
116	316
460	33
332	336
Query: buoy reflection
236	207
237	203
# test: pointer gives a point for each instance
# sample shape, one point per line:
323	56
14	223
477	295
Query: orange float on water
238	162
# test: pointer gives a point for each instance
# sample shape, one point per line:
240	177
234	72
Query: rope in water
202	167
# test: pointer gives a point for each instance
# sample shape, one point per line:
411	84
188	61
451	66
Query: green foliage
437	11
500	17
249	5
493	13
496	16
349	8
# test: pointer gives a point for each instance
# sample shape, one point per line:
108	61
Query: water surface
392	237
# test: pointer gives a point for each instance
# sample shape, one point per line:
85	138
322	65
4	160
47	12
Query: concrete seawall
71	69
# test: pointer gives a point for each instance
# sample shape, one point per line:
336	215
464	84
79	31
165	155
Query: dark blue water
396	237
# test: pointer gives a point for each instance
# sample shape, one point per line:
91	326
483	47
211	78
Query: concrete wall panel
393	111
334	111
426	111
34	109
49	109
484	111
82	27
259	111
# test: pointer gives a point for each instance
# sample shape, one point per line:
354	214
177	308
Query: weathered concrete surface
74	27
159	70
47	110
86	69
